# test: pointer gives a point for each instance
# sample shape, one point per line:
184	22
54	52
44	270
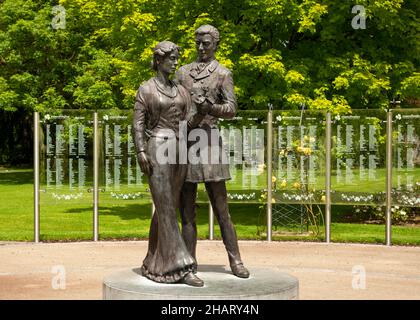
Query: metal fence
284	156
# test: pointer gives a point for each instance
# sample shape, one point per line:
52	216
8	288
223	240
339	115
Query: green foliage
286	52
410	86
399	215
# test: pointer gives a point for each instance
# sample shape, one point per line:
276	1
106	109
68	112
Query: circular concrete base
219	284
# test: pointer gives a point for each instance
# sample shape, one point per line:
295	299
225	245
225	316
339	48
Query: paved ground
325	271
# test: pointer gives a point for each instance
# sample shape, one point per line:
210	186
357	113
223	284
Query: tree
287	52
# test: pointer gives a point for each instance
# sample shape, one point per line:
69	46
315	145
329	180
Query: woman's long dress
167	259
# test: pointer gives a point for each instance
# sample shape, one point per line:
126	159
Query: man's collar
206	72
213	65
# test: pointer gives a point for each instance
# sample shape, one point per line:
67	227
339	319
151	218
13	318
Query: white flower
106	117
403	213
47	117
337	117
398	117
278	118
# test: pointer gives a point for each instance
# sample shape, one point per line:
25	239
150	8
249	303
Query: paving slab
76	270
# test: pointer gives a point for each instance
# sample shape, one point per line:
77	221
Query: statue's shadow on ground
201	268
212	268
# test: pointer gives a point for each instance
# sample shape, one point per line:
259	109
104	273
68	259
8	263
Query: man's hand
144	162
199	98
204	107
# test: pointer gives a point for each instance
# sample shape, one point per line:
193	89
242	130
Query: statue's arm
227	109
193	116
139	121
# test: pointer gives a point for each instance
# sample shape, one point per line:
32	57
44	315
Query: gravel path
325	271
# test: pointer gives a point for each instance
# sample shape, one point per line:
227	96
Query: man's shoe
240	271
192	280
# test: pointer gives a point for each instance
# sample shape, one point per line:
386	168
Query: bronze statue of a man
208	76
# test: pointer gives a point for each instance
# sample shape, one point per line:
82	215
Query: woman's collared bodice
154	111
172	111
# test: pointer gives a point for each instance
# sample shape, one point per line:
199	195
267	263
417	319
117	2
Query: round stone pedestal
219	284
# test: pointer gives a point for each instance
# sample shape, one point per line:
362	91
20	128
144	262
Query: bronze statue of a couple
200	94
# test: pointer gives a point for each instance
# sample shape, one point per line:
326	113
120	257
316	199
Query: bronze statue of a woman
159	108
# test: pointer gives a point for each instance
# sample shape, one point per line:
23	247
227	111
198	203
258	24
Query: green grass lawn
368	233
63	220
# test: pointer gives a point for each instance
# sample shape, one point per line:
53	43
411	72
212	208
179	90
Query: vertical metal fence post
328	178
388	217
36	177
95	177
211	222
269	170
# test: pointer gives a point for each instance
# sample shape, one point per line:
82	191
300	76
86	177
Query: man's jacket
217	82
